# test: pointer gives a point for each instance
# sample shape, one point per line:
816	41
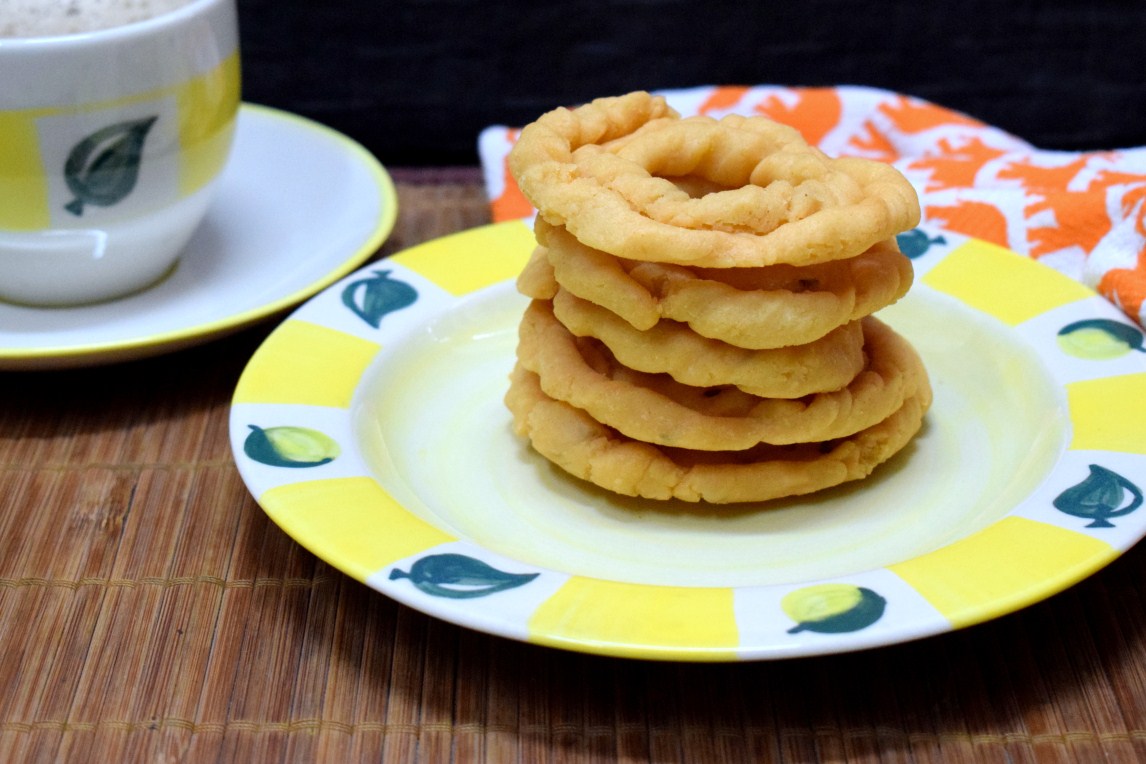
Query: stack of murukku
700	324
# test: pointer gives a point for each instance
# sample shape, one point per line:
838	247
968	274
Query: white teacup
111	143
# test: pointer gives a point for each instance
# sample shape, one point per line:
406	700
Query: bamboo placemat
150	612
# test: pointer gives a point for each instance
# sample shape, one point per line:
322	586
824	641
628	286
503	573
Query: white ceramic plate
370	427
299	205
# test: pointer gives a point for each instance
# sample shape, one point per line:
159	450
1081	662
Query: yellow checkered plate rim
369	426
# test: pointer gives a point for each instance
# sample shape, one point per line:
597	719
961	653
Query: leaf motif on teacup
103	168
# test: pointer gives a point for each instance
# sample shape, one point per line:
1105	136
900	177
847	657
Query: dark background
416	80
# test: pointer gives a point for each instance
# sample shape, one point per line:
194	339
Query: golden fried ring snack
537	279
756	308
656	409
597	276
761	178
587	449
566	193
814	300
672	348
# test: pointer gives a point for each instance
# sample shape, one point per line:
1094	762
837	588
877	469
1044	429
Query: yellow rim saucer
299	205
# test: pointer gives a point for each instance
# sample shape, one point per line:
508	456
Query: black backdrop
415	80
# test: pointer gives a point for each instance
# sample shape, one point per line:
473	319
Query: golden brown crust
758	308
701	325
594	171
829	363
657	409
537	279
589	450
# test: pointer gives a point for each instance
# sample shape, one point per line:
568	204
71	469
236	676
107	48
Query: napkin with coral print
1081	213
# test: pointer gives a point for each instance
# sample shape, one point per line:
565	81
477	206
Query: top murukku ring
606	172
762	174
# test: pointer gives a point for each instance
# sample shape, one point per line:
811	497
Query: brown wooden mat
149	612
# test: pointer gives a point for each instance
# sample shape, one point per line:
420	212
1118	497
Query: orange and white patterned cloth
1081	213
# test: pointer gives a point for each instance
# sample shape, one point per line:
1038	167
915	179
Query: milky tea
42	18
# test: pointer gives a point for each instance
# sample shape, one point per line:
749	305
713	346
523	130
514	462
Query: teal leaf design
103	168
915	243
833	608
289	446
373	297
456	576
1099	497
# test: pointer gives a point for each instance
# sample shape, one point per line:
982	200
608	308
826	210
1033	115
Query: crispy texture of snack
757	308
597	276
587	449
537	279
763	174
672	348
656	409
703	290
594	171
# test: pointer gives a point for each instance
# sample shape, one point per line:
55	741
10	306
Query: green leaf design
832	608
456	576
103	168
1100	497
290	446
373	297
1100	338
915	243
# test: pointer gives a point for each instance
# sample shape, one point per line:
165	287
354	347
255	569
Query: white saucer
298	207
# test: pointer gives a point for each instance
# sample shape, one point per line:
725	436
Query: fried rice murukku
537	279
761	178
782	200
574	441
757	308
703	292
829	363
656	409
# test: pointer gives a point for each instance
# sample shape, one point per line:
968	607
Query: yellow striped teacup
111	143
